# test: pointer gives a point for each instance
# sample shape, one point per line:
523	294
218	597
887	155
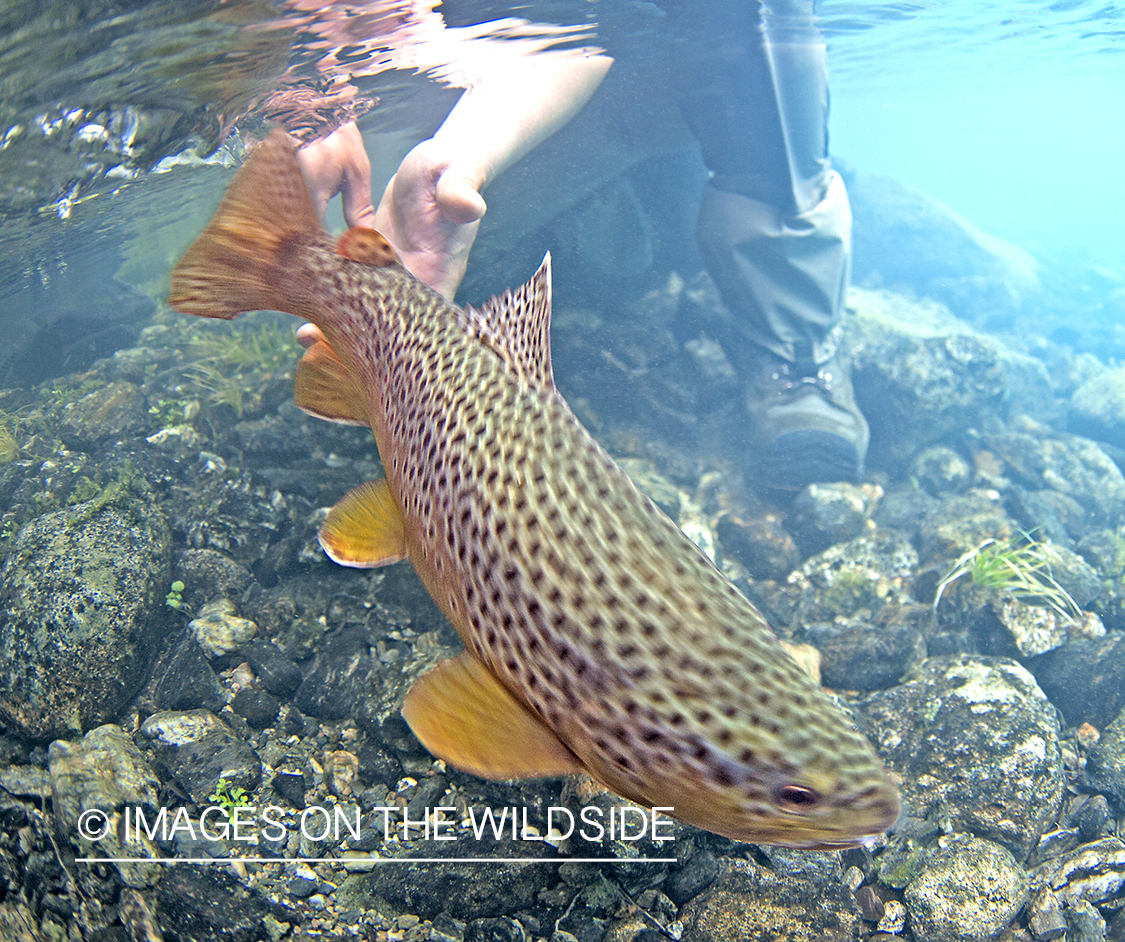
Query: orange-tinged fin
463	714
365	529
234	265
361	244
517	325
323	387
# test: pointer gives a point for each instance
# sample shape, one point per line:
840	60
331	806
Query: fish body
597	636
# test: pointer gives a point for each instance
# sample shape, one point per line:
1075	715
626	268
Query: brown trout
598	638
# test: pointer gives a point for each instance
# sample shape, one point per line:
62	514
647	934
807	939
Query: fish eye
796	797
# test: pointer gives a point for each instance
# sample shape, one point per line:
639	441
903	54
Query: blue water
1010	112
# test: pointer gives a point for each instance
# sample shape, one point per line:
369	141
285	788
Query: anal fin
323	386
463	714
365	529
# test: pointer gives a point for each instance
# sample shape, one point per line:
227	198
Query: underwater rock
1097	407
99	775
1105	551
18	923
940	469
274	438
256	706
290	786
977	737
1074	574
342	677
186	681
968	890
747	901
1050	515
25	781
904	507
233	511
863	574
1038	457
198	749
861	654
921	376
1084	923
909	241
208	574
219	630
1059	841
277	673
1105	762
1090	814
1045	916
714	368
961	522
825	514
109	412
1085	679
455	889
596	903
206	903
997	622
1094	872
79	588
761	546
690	879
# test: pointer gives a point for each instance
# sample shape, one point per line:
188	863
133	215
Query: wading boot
806	426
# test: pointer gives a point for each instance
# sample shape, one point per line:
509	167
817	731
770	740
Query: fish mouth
865	840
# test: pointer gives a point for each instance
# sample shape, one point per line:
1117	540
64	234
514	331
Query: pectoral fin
365	529
323	386
464	715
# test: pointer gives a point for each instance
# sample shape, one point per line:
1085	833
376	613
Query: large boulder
906	240
79	592
974	737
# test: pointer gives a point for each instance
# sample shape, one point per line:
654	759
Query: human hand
430	213
335	164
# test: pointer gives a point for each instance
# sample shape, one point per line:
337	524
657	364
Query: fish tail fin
236	264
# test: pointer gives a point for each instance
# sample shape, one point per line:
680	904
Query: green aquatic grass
263	348
1021	566
221	389
10	423
232	363
9	443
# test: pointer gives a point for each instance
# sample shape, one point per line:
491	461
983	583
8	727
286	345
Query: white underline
364	861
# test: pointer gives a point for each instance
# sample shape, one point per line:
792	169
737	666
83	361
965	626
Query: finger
308	334
355	185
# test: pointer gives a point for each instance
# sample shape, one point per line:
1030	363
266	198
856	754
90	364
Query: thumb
458	200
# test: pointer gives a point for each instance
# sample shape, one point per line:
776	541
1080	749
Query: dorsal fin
517	325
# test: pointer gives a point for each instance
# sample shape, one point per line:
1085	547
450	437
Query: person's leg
775	233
